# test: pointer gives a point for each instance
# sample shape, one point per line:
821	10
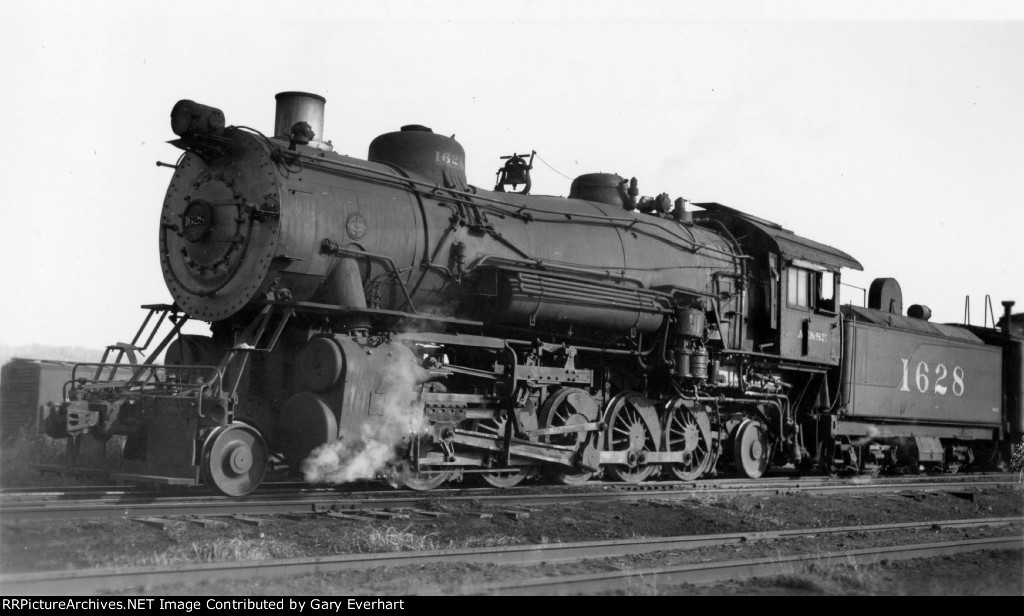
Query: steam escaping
872	434
395	412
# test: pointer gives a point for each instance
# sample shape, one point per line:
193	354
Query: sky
893	131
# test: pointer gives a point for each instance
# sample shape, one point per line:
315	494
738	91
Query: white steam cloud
364	455
867	439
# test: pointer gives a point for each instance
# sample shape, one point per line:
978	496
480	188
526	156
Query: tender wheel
751	449
500	479
688	429
630	417
424	480
565	407
234	459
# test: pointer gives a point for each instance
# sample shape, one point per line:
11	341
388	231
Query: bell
515	171
515	176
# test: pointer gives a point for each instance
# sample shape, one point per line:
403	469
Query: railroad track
16	507
150	578
706	573
776	478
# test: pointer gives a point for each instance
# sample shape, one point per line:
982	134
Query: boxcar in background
26	385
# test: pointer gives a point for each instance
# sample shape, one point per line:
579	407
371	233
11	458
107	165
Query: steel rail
141	491
321	503
119	579
373	485
770	478
705	573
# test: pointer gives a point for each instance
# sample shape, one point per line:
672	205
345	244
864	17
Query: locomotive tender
385	316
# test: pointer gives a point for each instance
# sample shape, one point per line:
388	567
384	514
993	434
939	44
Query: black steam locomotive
385	317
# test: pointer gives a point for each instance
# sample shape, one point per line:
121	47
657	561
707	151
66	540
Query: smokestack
295	107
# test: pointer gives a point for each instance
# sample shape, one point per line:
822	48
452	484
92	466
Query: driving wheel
424	479
500	479
629	430
570	406
688	430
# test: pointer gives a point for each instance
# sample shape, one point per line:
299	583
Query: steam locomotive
385	317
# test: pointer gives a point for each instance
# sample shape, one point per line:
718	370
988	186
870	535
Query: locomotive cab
809	323
793	303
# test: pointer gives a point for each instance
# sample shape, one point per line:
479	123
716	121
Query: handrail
989	311
151	383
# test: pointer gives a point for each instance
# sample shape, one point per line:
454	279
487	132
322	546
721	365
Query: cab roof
785	241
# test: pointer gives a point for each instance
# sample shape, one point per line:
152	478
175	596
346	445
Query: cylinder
311	422
294	107
713	371
321	364
682	357
699	363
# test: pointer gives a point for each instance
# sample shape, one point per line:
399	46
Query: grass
489	541
391	539
436	504
388	538
225	549
641	586
824	576
217	550
239	545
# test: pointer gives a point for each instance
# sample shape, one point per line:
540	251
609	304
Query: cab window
826	291
807	288
798	287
